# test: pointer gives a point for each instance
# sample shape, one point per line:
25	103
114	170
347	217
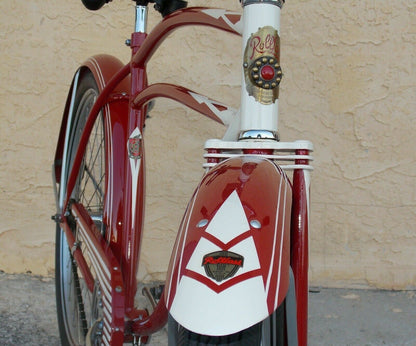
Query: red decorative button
267	72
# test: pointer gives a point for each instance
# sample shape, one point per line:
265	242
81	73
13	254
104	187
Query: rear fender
230	265
103	67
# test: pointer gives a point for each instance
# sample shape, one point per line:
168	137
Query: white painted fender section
230	265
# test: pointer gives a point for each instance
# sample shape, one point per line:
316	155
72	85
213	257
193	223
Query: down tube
300	246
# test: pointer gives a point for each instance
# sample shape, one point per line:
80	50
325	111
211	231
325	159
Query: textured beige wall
349	86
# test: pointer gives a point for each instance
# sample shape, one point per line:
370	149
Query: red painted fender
103	67
230	265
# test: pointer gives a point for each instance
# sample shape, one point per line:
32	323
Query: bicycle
245	230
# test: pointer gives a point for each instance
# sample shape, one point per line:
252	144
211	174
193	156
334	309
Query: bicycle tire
270	332
77	308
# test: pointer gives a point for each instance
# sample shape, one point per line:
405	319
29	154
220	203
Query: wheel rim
76	300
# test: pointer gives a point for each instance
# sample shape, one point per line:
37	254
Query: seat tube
135	171
141	19
138	73
261	65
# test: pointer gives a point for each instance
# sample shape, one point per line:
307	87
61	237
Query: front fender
230	265
103	67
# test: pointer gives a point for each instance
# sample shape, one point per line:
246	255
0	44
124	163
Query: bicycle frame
124	94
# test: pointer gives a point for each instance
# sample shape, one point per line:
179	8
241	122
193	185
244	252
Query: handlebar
165	7
94	5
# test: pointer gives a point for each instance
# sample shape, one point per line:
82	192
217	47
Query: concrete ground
336	316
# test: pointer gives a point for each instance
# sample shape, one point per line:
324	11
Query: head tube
261	65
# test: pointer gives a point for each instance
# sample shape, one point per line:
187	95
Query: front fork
299	244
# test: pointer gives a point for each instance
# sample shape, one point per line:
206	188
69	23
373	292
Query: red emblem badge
222	265
135	147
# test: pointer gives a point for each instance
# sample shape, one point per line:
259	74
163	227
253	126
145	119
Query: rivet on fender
255	224
202	223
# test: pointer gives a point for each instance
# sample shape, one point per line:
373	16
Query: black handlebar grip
166	7
94	4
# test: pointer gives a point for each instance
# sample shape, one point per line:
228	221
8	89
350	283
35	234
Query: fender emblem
221	265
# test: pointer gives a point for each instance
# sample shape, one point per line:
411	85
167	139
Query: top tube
219	19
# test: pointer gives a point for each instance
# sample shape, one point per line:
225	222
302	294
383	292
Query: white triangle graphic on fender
230	220
199	308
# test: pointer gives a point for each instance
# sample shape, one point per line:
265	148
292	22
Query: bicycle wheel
78	309
270	332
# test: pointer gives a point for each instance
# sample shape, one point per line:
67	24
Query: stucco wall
349	86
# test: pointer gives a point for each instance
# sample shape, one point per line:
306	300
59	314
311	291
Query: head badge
262	70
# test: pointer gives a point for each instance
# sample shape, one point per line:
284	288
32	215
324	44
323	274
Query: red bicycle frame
124	93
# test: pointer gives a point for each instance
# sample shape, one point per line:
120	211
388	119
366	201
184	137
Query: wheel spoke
95	174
